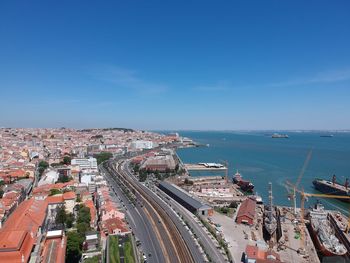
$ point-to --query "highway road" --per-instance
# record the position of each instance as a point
(173, 244)
(138, 222)
(207, 242)
(191, 244)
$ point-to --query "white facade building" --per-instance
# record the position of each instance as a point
(49, 178)
(138, 145)
(85, 163)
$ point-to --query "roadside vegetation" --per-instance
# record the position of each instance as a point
(113, 249)
(103, 156)
(144, 174)
(114, 255)
(128, 251)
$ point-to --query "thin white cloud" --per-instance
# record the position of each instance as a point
(320, 78)
(128, 79)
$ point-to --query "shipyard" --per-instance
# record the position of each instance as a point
(249, 227)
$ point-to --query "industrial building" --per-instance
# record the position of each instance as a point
(187, 201)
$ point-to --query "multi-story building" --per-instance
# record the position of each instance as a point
(85, 163)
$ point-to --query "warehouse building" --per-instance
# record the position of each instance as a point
(187, 201)
(246, 212)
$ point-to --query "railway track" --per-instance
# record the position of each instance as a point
(178, 250)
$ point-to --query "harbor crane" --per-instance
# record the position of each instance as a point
(304, 196)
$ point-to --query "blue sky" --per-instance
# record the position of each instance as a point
(175, 64)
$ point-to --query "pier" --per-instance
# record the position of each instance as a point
(205, 167)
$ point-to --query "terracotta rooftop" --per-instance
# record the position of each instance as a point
(247, 208)
(69, 195)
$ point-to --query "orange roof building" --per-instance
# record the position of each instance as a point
(113, 226)
(260, 255)
(246, 212)
(20, 231)
(54, 247)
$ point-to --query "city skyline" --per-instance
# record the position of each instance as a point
(176, 66)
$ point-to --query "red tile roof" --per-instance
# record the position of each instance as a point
(247, 209)
(54, 250)
(112, 225)
(17, 237)
(69, 195)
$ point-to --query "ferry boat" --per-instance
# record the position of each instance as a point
(323, 233)
(245, 186)
(278, 136)
(333, 188)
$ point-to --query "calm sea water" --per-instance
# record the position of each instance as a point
(262, 159)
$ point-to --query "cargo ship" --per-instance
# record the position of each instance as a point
(245, 186)
(327, 135)
(333, 188)
(323, 234)
(278, 136)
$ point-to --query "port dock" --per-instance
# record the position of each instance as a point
(205, 167)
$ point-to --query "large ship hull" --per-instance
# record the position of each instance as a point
(245, 186)
(329, 188)
(319, 246)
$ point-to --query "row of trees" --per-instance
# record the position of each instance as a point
(75, 239)
(64, 218)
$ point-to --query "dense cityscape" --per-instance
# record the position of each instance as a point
(174, 131)
(121, 195)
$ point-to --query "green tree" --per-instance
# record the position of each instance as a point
(54, 192)
(233, 204)
(61, 215)
(142, 175)
(69, 220)
(66, 160)
(82, 228)
(64, 178)
(43, 164)
(84, 215)
(136, 168)
(103, 156)
(1, 193)
(74, 245)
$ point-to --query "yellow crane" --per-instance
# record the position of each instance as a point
(303, 197)
(301, 174)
